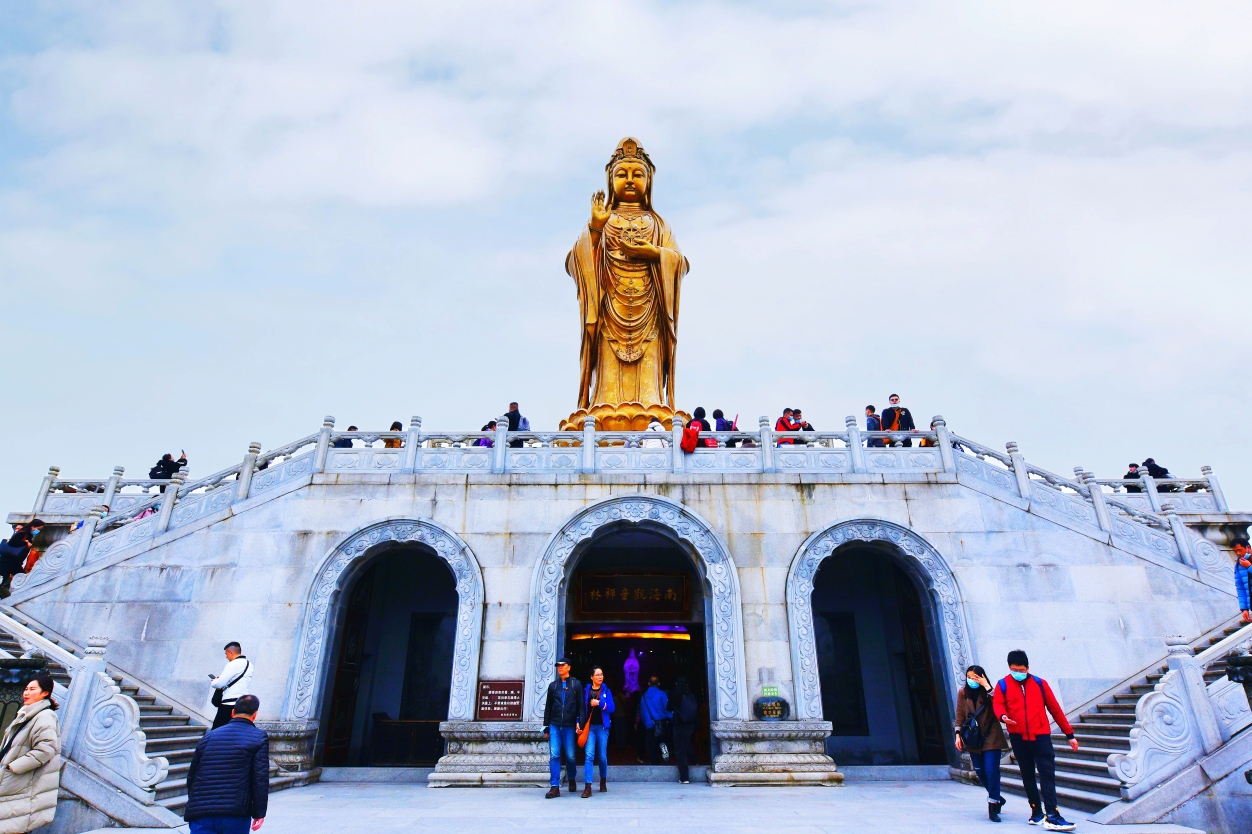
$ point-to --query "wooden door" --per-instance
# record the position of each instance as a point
(921, 675)
(348, 673)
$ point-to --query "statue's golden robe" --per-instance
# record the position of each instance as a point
(629, 311)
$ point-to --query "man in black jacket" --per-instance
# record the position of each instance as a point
(563, 716)
(896, 417)
(228, 781)
(13, 553)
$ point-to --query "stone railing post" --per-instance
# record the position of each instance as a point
(1019, 469)
(589, 444)
(115, 751)
(110, 487)
(500, 446)
(676, 439)
(1180, 534)
(1215, 489)
(246, 470)
(83, 542)
(1183, 660)
(45, 488)
(945, 443)
(1149, 487)
(767, 445)
(412, 443)
(854, 444)
(1097, 498)
(323, 444)
(168, 500)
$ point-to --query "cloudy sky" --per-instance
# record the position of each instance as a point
(221, 221)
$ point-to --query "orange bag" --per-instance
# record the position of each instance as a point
(582, 736)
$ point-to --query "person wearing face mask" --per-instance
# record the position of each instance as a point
(1243, 578)
(14, 552)
(982, 737)
(1022, 702)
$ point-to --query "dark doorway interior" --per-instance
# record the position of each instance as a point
(659, 630)
(872, 629)
(393, 676)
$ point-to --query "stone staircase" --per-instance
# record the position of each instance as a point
(170, 731)
(1083, 781)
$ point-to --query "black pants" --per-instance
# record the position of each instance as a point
(223, 715)
(654, 746)
(682, 748)
(1037, 755)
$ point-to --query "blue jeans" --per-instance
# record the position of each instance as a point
(558, 738)
(597, 752)
(987, 766)
(220, 825)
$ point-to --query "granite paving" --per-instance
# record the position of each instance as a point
(896, 807)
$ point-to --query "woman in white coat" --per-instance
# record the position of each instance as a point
(30, 761)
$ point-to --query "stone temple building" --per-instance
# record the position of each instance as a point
(404, 595)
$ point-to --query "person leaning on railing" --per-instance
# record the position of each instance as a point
(1243, 578)
(13, 552)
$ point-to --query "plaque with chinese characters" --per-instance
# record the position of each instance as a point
(500, 700)
(633, 596)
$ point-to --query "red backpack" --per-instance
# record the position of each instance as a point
(691, 436)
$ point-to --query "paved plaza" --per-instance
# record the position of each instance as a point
(896, 807)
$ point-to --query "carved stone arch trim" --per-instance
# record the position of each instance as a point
(715, 566)
(941, 587)
(305, 692)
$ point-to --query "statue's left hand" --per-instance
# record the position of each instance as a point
(642, 251)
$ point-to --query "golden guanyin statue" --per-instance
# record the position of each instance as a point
(628, 271)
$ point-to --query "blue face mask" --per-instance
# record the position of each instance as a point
(972, 684)
(1019, 676)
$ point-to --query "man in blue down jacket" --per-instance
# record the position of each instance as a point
(228, 781)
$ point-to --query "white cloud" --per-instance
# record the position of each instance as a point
(222, 221)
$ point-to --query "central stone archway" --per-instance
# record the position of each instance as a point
(713, 562)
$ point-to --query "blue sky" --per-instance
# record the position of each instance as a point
(221, 221)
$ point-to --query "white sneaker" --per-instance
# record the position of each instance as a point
(664, 752)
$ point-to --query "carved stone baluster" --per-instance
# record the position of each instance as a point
(1149, 488)
(767, 445)
(1019, 469)
(1180, 534)
(945, 444)
(246, 471)
(589, 444)
(854, 444)
(45, 488)
(323, 444)
(110, 486)
(676, 430)
(1097, 498)
(1215, 489)
(501, 449)
(168, 500)
(411, 443)
(83, 541)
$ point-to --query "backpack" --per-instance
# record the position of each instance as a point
(691, 435)
(971, 734)
(688, 710)
(155, 473)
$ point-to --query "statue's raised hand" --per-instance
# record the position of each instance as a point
(599, 211)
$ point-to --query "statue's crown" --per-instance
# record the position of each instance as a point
(629, 148)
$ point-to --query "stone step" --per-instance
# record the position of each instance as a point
(1103, 728)
(1123, 718)
(1082, 781)
(1068, 797)
(1096, 754)
(1116, 707)
(172, 788)
(147, 723)
(177, 730)
(1118, 744)
(151, 708)
(158, 745)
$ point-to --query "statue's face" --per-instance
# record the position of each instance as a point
(630, 182)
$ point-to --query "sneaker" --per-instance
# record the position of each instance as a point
(684, 782)
(553, 792)
(1036, 815)
(664, 752)
(1056, 822)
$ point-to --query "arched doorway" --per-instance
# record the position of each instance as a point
(635, 606)
(878, 642)
(335, 630)
(390, 684)
(723, 611)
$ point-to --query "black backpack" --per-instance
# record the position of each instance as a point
(688, 710)
(971, 734)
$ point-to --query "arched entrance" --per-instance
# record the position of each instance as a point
(389, 645)
(878, 642)
(674, 534)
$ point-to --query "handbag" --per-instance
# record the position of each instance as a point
(216, 700)
(582, 735)
(971, 733)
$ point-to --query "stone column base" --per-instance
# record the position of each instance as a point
(291, 748)
(502, 754)
(772, 753)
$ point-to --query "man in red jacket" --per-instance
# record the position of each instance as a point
(1022, 702)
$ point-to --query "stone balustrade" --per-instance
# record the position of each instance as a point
(1147, 523)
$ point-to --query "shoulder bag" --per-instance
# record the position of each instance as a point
(218, 693)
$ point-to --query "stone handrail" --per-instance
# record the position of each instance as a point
(1183, 718)
(99, 725)
(852, 453)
